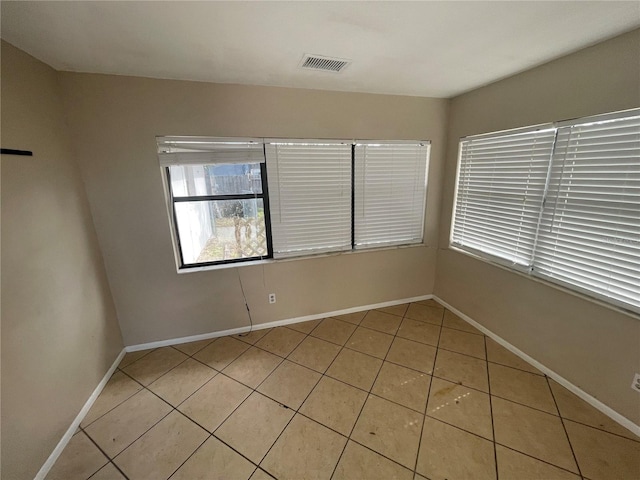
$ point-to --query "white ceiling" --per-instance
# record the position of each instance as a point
(435, 49)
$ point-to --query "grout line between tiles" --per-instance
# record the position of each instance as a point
(295, 412)
(311, 391)
(601, 429)
(192, 453)
(110, 460)
(493, 428)
(115, 406)
(335, 467)
(424, 418)
(209, 434)
(575, 459)
(323, 374)
(536, 458)
(131, 363)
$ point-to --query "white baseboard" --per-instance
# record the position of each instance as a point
(44, 470)
(594, 402)
(276, 323)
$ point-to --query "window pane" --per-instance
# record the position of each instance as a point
(590, 226)
(219, 179)
(390, 188)
(213, 231)
(309, 197)
(500, 190)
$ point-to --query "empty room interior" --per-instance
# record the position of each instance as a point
(320, 240)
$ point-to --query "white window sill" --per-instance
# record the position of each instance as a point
(250, 263)
(556, 286)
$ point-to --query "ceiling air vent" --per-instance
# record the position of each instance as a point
(326, 64)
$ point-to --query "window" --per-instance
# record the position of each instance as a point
(228, 198)
(561, 202)
(218, 199)
(390, 190)
(311, 196)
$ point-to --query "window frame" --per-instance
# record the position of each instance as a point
(530, 271)
(171, 202)
(264, 196)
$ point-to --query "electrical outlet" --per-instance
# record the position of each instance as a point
(272, 298)
(636, 383)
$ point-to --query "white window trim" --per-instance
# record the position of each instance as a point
(160, 140)
(526, 272)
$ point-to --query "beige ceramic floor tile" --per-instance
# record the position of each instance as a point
(153, 366)
(522, 387)
(399, 310)
(305, 327)
(430, 303)
(280, 341)
(496, 353)
(221, 352)
(417, 331)
(120, 427)
(390, 430)
(108, 472)
(412, 354)
(131, 357)
(117, 390)
(354, 318)
(254, 426)
(513, 465)
(369, 341)
(448, 452)
(315, 354)
(424, 313)
(253, 336)
(305, 450)
(574, 408)
(463, 369)
(334, 404)
(177, 384)
(80, 459)
(460, 406)
(360, 463)
(451, 320)
(253, 366)
(603, 456)
(215, 461)
(334, 331)
(381, 321)
(402, 385)
(260, 475)
(193, 347)
(462, 342)
(214, 402)
(290, 384)
(355, 368)
(160, 451)
(533, 432)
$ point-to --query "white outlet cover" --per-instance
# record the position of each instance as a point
(636, 383)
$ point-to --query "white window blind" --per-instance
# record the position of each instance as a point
(501, 183)
(390, 187)
(209, 150)
(590, 227)
(310, 196)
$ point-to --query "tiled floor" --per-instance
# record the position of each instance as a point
(406, 392)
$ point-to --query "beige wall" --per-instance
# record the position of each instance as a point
(114, 121)
(60, 334)
(594, 347)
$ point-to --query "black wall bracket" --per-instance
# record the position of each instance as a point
(10, 151)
